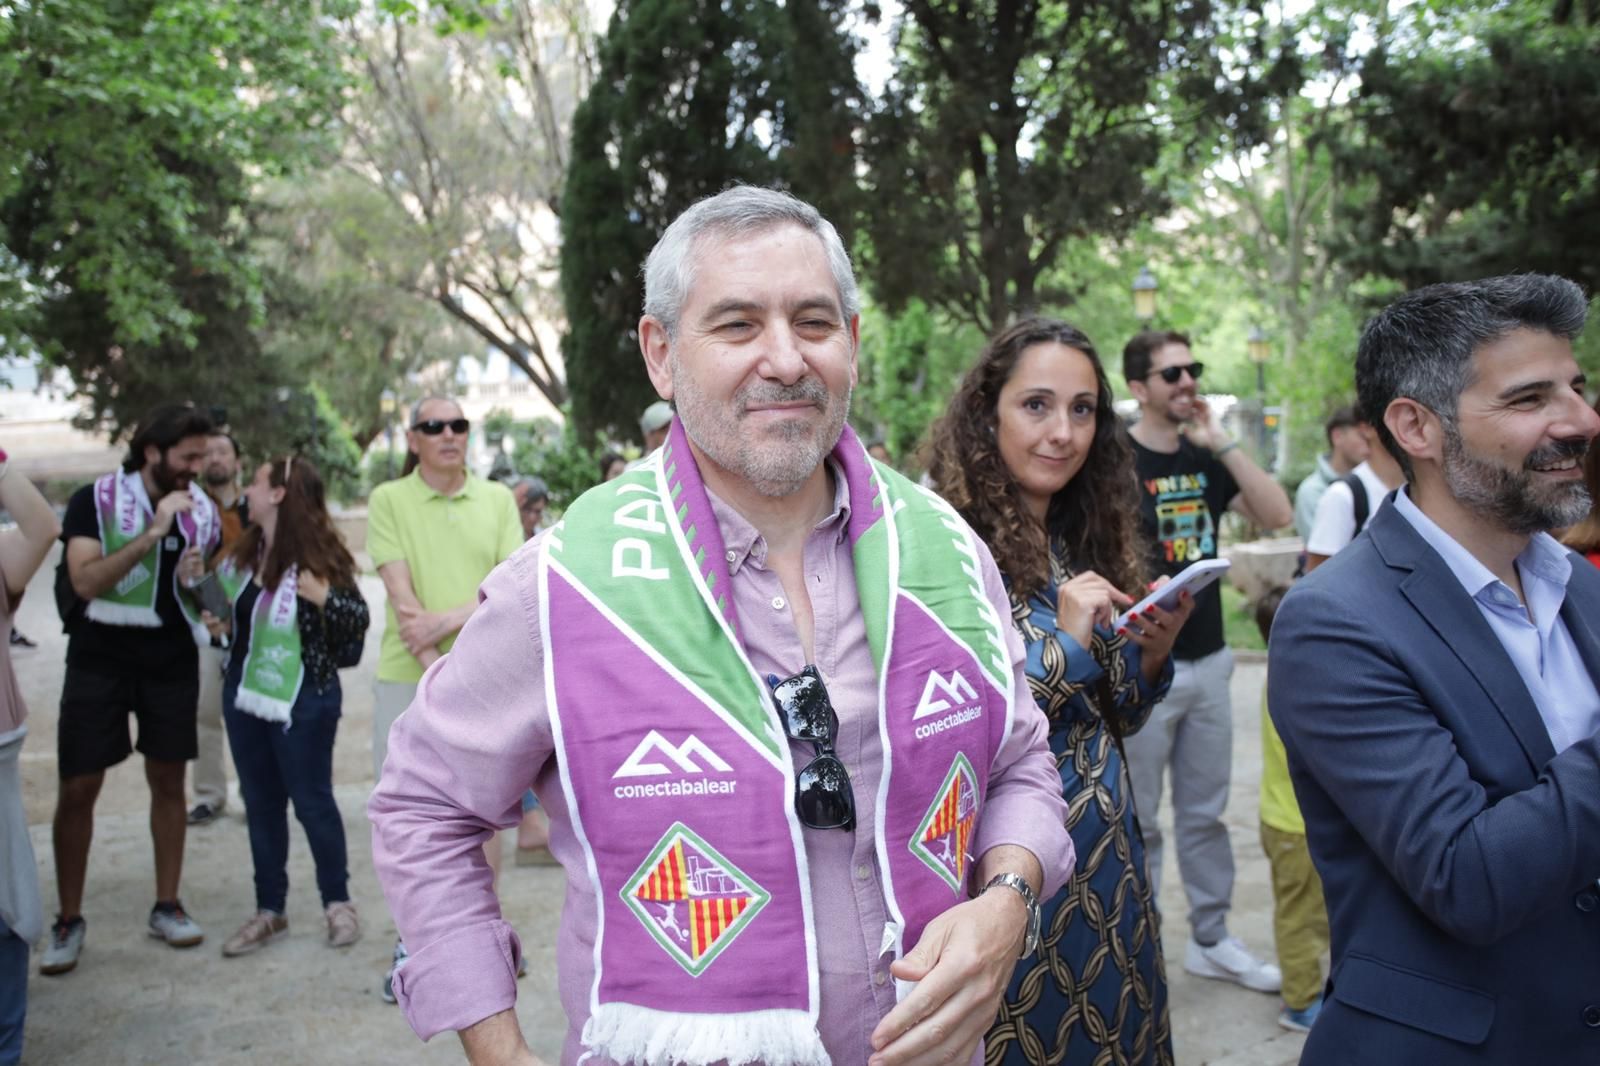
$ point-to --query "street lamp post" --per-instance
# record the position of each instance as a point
(386, 404)
(1144, 295)
(1260, 351)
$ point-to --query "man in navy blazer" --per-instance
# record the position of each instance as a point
(1435, 686)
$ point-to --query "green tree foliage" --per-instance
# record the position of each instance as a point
(690, 96)
(568, 465)
(1475, 146)
(910, 366)
(306, 423)
(1013, 127)
(132, 134)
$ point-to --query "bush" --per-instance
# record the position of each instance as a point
(553, 452)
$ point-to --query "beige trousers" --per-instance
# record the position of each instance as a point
(210, 772)
(389, 701)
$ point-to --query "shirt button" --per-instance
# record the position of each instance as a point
(1587, 901)
(863, 872)
(777, 603)
(878, 979)
(1591, 1017)
(732, 556)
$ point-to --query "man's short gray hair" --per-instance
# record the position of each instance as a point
(735, 212)
(432, 397)
(1420, 347)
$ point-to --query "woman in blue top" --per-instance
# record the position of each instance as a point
(1033, 456)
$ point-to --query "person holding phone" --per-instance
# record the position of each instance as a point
(1032, 455)
(297, 617)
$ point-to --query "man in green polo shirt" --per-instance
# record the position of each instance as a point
(434, 534)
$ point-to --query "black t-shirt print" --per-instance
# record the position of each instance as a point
(1182, 498)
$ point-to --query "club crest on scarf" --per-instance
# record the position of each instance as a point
(693, 901)
(941, 840)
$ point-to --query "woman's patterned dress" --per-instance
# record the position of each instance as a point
(1096, 992)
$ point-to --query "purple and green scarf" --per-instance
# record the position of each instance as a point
(122, 509)
(679, 777)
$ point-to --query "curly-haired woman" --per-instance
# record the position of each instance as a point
(297, 617)
(1584, 538)
(1032, 455)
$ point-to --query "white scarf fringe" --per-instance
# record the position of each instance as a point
(625, 1032)
(124, 614)
(260, 706)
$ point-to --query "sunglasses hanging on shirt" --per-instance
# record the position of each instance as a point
(823, 796)
(432, 427)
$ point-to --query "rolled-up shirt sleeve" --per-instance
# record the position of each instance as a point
(1024, 805)
(459, 760)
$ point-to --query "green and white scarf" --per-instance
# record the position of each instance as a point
(123, 510)
(274, 668)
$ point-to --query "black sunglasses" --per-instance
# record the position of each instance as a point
(823, 797)
(1171, 374)
(434, 426)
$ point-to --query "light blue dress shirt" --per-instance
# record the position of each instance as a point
(1533, 635)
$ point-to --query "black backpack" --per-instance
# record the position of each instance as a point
(68, 605)
(1358, 495)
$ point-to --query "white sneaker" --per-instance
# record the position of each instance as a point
(175, 927)
(1230, 960)
(66, 944)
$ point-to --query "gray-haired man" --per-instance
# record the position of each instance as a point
(750, 875)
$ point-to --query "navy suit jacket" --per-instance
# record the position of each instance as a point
(1458, 852)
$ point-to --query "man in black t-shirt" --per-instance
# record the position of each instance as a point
(1190, 474)
(131, 648)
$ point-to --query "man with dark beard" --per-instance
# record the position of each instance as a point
(1435, 686)
(131, 648)
(210, 775)
(770, 695)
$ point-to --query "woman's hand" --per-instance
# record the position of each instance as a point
(1085, 601)
(216, 626)
(1154, 631)
(312, 587)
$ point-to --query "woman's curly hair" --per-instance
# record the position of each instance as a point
(1093, 521)
(1585, 536)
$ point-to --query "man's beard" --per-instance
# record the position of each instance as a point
(1514, 499)
(217, 476)
(1175, 414)
(776, 466)
(168, 478)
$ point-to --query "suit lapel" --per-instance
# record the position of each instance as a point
(1433, 589)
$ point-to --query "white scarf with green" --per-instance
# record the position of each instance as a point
(123, 511)
(273, 667)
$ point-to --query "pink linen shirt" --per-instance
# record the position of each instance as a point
(479, 733)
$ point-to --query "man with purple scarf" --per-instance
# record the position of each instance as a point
(769, 693)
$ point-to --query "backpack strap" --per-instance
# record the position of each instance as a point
(1358, 495)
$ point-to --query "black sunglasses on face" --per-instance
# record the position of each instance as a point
(823, 797)
(1171, 374)
(434, 426)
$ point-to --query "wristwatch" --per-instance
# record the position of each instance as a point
(1017, 882)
